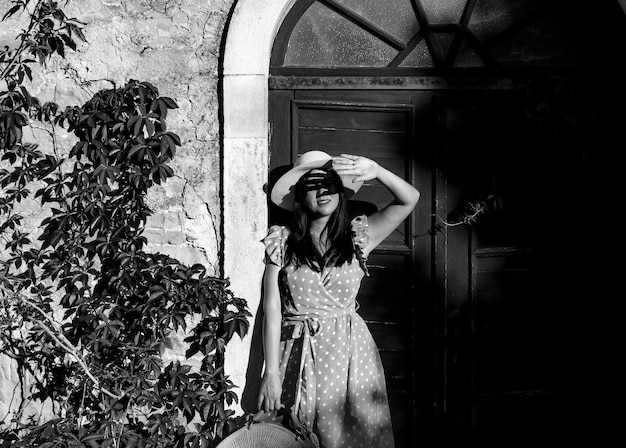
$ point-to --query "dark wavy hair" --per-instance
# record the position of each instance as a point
(300, 247)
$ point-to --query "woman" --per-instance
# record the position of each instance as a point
(320, 359)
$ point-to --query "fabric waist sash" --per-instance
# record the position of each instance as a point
(306, 326)
(310, 324)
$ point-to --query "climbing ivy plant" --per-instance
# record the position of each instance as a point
(85, 313)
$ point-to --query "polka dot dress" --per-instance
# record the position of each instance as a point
(332, 374)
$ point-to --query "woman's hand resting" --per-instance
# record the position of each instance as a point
(361, 168)
(270, 392)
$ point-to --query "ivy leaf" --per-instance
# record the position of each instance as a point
(170, 103)
(12, 11)
(236, 323)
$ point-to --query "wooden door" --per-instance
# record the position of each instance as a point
(383, 126)
(466, 296)
(504, 271)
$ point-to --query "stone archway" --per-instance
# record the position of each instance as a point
(249, 40)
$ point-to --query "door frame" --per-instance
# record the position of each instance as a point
(250, 31)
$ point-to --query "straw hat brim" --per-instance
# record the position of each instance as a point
(283, 192)
(265, 435)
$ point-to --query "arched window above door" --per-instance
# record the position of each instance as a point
(427, 34)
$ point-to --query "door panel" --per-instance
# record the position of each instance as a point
(501, 335)
(379, 127)
(351, 119)
(381, 133)
(348, 139)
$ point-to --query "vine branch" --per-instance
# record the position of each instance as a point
(67, 346)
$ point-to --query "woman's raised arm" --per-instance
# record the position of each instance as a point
(385, 221)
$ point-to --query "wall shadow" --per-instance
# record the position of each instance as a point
(255, 365)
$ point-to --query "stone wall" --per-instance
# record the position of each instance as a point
(174, 45)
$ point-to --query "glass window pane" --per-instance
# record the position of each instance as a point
(545, 42)
(443, 12)
(322, 38)
(395, 17)
(491, 17)
(467, 57)
(444, 40)
(419, 57)
(514, 32)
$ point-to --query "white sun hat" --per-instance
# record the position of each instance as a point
(276, 429)
(265, 435)
(283, 192)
